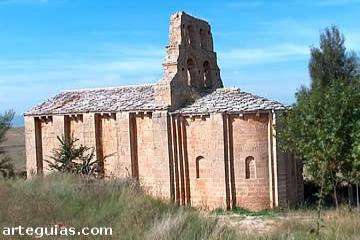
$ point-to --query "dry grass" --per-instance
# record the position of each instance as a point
(339, 224)
(342, 224)
(122, 205)
(173, 226)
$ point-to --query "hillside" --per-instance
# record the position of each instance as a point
(14, 145)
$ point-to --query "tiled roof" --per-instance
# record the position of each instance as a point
(230, 100)
(140, 97)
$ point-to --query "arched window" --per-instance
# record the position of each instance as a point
(191, 36)
(250, 168)
(198, 164)
(191, 71)
(207, 81)
(203, 39)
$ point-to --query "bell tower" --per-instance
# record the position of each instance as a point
(190, 66)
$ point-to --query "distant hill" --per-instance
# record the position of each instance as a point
(14, 145)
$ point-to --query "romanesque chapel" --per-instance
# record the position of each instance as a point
(186, 138)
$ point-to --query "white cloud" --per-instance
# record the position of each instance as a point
(13, 75)
(117, 65)
(37, 79)
(131, 51)
(283, 52)
(278, 84)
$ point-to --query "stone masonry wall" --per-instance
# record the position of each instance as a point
(192, 160)
(76, 129)
(50, 132)
(250, 139)
(205, 154)
(161, 168)
(108, 135)
(152, 153)
(123, 168)
(30, 144)
(48, 140)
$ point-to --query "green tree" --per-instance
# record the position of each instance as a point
(6, 166)
(354, 172)
(5, 123)
(70, 158)
(331, 61)
(319, 128)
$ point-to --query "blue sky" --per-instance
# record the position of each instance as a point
(262, 46)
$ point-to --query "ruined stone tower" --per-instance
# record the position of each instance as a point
(190, 66)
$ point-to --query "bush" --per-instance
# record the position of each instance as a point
(70, 158)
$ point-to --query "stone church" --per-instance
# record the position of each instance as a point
(186, 138)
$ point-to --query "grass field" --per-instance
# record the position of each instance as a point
(118, 204)
(122, 205)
